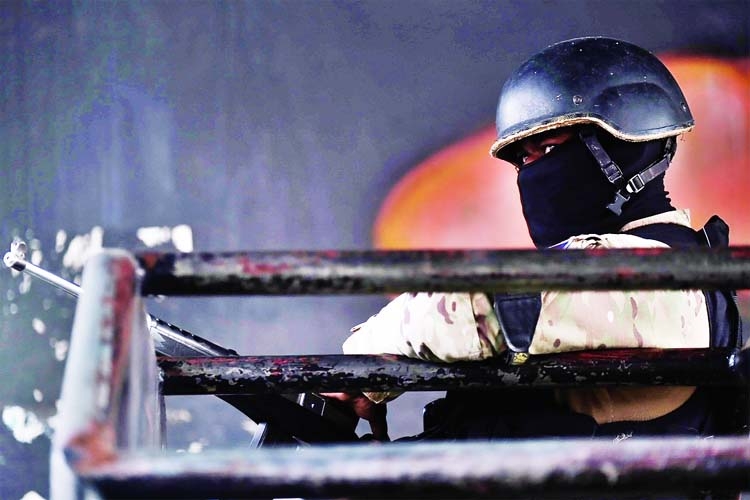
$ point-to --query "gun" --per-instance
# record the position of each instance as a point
(306, 417)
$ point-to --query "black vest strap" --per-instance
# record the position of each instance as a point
(518, 315)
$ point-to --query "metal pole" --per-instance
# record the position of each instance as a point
(372, 271)
(335, 373)
(555, 468)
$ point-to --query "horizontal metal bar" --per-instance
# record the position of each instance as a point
(548, 468)
(333, 373)
(350, 272)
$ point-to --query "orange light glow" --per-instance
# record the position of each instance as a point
(711, 170)
(460, 197)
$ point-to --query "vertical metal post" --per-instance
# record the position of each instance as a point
(110, 395)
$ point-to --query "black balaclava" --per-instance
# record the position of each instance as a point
(565, 193)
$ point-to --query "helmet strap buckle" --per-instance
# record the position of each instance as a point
(635, 184)
(612, 171)
(619, 201)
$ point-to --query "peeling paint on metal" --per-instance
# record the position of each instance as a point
(349, 272)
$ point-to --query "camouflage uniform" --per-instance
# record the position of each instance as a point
(451, 327)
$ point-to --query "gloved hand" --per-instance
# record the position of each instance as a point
(363, 407)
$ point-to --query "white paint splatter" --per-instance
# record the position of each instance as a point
(54, 419)
(61, 349)
(97, 237)
(81, 247)
(178, 416)
(32, 495)
(182, 238)
(38, 326)
(195, 447)
(36, 257)
(24, 424)
(152, 236)
(25, 285)
(60, 239)
(13, 308)
(38, 396)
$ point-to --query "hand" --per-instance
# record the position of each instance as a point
(374, 413)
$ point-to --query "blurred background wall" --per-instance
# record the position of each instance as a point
(250, 125)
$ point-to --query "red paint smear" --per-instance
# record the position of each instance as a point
(254, 268)
(624, 272)
(149, 260)
(94, 446)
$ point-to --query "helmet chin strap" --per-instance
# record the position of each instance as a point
(613, 173)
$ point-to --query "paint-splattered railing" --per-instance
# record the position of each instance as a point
(360, 272)
(110, 402)
(644, 468)
(110, 426)
(719, 367)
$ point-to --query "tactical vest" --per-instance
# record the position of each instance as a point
(518, 314)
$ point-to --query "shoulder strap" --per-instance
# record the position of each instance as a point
(518, 314)
(715, 232)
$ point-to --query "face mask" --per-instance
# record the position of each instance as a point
(565, 193)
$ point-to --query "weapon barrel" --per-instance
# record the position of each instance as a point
(14, 261)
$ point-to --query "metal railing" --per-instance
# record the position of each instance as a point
(111, 425)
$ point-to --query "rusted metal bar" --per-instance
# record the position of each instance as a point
(110, 399)
(350, 272)
(520, 469)
(333, 373)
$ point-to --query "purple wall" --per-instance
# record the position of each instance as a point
(260, 125)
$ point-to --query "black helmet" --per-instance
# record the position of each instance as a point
(609, 83)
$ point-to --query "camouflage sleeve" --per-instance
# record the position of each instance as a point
(439, 327)
(572, 321)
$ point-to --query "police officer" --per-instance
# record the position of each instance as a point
(590, 125)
